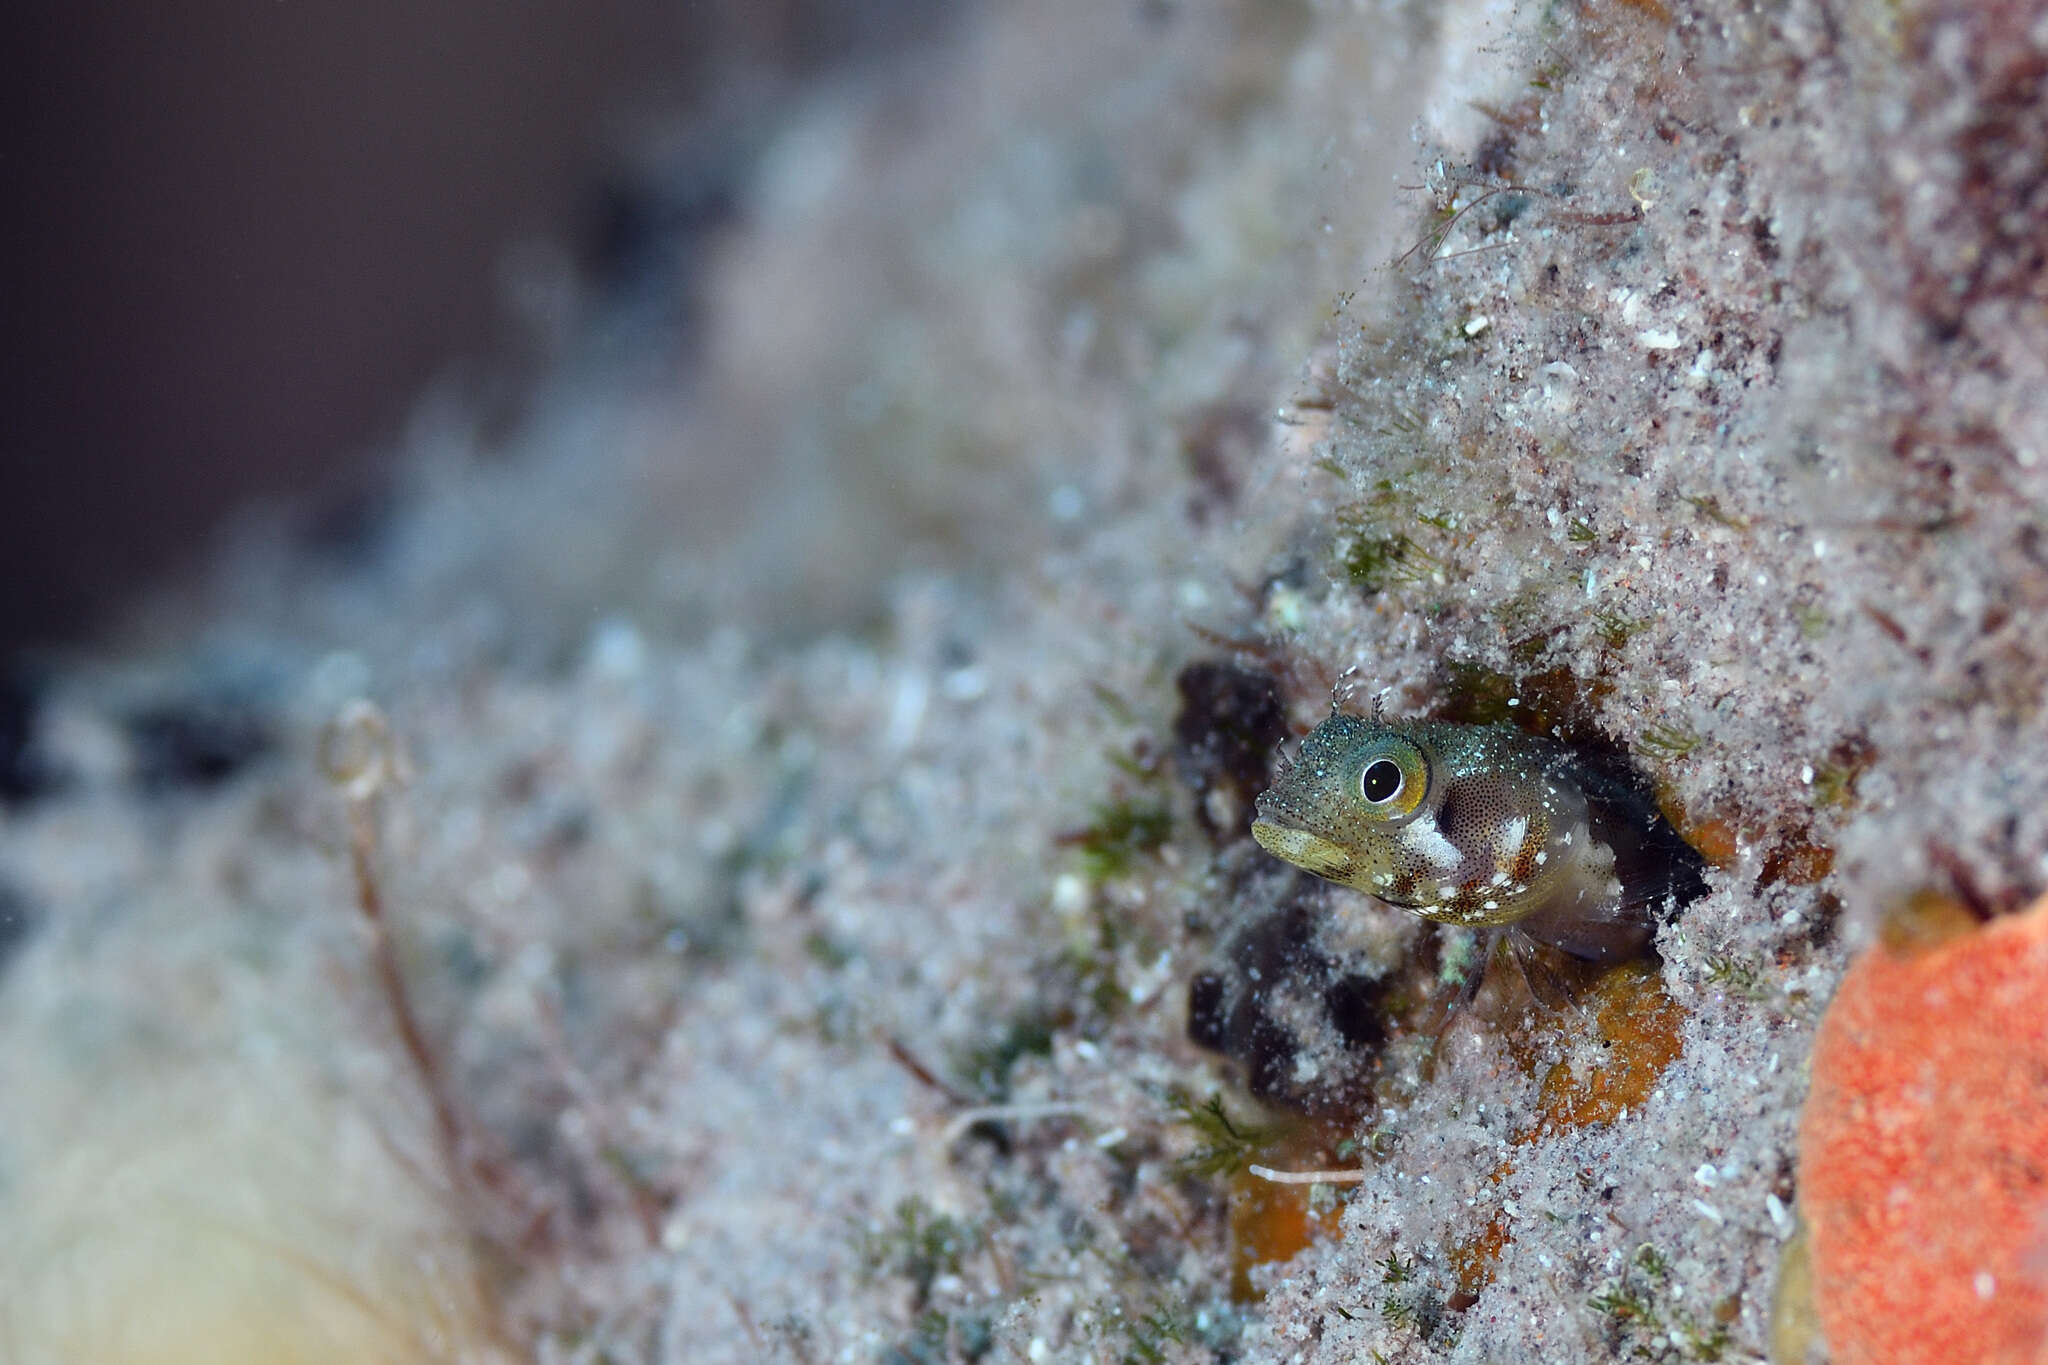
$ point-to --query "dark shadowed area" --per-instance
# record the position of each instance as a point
(242, 239)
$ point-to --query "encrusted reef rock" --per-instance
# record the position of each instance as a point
(819, 860)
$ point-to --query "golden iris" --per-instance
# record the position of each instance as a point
(1393, 778)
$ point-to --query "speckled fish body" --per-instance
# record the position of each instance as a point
(1479, 825)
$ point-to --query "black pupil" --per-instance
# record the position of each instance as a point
(1382, 780)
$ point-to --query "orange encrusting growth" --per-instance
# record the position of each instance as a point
(1270, 1222)
(1797, 858)
(1718, 840)
(1475, 1260)
(1924, 1150)
(1643, 1027)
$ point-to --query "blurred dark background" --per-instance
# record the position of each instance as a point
(242, 238)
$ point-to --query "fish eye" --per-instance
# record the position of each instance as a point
(1393, 778)
(1381, 781)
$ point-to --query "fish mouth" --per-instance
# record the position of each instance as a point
(1278, 817)
(1287, 839)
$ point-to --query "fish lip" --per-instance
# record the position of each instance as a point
(1269, 810)
(1293, 840)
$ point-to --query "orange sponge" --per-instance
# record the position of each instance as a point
(1924, 1151)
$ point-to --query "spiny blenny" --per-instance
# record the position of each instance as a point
(1482, 825)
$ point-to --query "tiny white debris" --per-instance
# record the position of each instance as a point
(964, 684)
(1705, 1174)
(1806, 773)
(1560, 389)
(1069, 894)
(1491, 905)
(1542, 856)
(1286, 608)
(1592, 581)
(902, 1125)
(617, 652)
(1820, 549)
(1086, 1050)
(1709, 1212)
(1478, 325)
(1153, 979)
(906, 713)
(1111, 1138)
(1985, 1285)
(1659, 339)
(1551, 515)
(1781, 1217)
(1514, 701)
(1066, 503)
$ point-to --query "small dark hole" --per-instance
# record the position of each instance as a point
(196, 744)
(1208, 1012)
